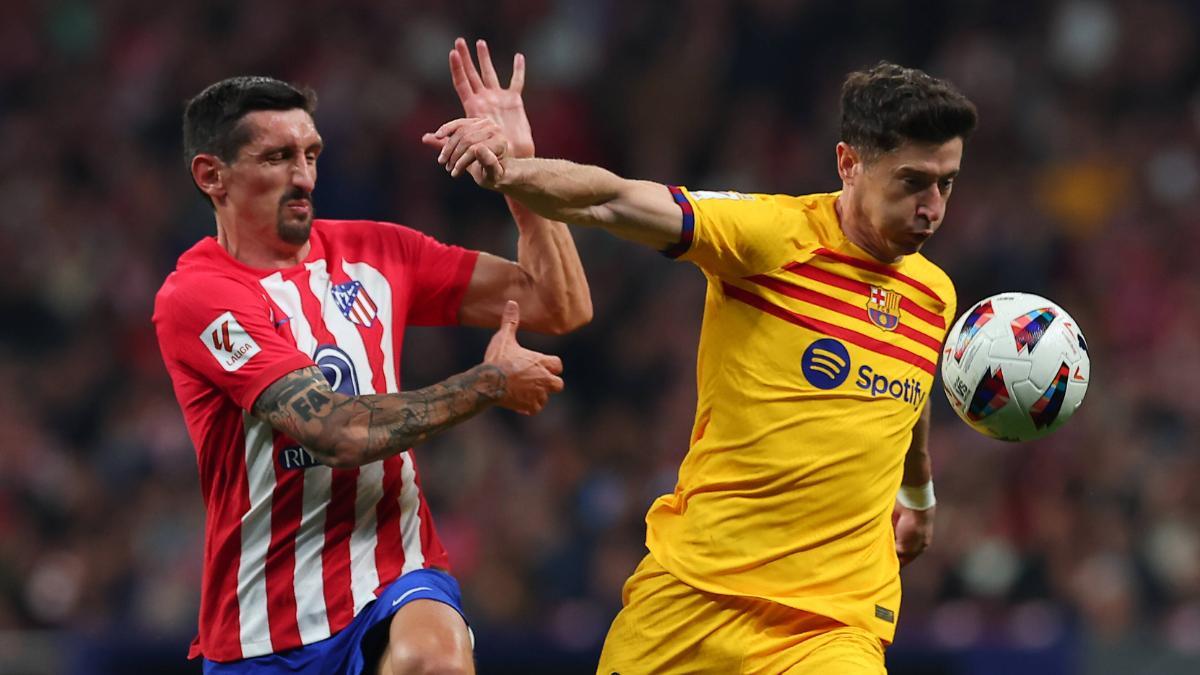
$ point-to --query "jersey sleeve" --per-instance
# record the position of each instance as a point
(731, 234)
(222, 330)
(438, 276)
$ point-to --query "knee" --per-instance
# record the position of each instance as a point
(425, 657)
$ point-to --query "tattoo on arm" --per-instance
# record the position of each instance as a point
(346, 430)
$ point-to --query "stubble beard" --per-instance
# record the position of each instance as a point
(292, 231)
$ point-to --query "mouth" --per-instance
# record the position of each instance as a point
(299, 207)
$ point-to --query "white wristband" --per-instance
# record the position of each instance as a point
(918, 498)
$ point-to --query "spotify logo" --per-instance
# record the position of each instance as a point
(825, 364)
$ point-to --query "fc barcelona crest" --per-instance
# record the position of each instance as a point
(883, 308)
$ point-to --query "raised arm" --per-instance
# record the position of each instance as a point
(547, 277)
(638, 210)
(346, 431)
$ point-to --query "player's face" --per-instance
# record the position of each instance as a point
(904, 193)
(271, 181)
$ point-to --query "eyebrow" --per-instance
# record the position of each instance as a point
(914, 171)
(319, 145)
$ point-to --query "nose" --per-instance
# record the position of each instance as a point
(932, 205)
(304, 174)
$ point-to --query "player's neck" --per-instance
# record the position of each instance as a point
(856, 228)
(260, 250)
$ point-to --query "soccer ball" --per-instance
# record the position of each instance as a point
(1015, 366)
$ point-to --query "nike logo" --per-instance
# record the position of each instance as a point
(282, 321)
(408, 593)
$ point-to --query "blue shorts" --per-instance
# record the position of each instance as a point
(346, 651)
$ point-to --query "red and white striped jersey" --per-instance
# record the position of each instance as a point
(294, 549)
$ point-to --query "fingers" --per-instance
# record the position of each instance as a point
(534, 401)
(510, 318)
(907, 554)
(462, 137)
(464, 53)
(469, 80)
(911, 543)
(458, 75)
(493, 168)
(469, 155)
(530, 390)
(536, 405)
(466, 136)
(485, 65)
(488, 160)
(552, 363)
(500, 347)
(517, 83)
(448, 129)
(456, 138)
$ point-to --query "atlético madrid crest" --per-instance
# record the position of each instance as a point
(883, 307)
(352, 299)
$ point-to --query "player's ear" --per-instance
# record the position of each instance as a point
(848, 162)
(206, 171)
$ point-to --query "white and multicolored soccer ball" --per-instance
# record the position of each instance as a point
(1015, 366)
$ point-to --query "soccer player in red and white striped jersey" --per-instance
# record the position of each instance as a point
(283, 336)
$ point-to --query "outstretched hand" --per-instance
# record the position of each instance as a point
(530, 377)
(471, 144)
(481, 95)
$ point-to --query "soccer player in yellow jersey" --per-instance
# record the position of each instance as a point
(822, 328)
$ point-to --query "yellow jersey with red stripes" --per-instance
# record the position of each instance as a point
(814, 364)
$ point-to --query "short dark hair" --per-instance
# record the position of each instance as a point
(886, 105)
(211, 119)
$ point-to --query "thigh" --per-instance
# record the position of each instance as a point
(427, 633)
(390, 629)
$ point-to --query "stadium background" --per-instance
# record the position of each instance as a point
(1076, 554)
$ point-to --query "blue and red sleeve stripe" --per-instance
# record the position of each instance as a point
(689, 224)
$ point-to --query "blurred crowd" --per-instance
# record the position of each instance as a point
(1082, 184)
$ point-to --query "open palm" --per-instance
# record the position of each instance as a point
(482, 96)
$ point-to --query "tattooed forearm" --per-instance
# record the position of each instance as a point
(345, 430)
(423, 413)
(308, 405)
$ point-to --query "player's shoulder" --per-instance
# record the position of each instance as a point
(928, 273)
(349, 230)
(815, 202)
(816, 210)
(204, 274)
(194, 266)
(370, 239)
(810, 212)
(814, 214)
